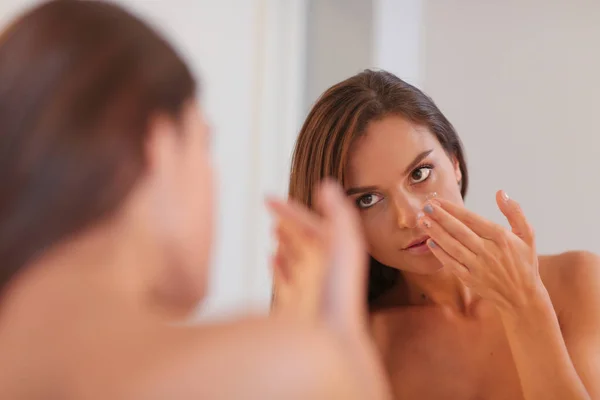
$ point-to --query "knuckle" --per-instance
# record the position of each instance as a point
(529, 230)
(500, 236)
(517, 208)
(469, 220)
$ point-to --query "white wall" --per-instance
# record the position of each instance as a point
(339, 43)
(397, 42)
(222, 47)
(249, 57)
(520, 81)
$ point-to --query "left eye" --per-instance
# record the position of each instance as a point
(420, 174)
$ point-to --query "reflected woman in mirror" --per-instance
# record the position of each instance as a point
(106, 216)
(460, 307)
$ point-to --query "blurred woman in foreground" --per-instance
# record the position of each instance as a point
(106, 227)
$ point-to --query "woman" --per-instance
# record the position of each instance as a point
(461, 308)
(105, 232)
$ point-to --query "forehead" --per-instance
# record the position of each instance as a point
(388, 146)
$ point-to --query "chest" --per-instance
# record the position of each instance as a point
(435, 358)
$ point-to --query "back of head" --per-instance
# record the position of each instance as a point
(79, 83)
(340, 116)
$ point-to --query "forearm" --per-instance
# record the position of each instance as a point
(543, 363)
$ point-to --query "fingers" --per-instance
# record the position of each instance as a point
(289, 249)
(296, 214)
(341, 215)
(346, 282)
(443, 226)
(281, 273)
(343, 221)
(449, 262)
(516, 217)
(450, 242)
(298, 233)
(479, 225)
(298, 272)
(298, 253)
(326, 254)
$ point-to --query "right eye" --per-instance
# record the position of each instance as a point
(368, 200)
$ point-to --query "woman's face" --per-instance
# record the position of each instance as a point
(392, 169)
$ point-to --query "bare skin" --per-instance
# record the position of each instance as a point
(477, 314)
(93, 317)
(476, 334)
(80, 349)
(431, 351)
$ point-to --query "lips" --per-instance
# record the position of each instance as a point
(417, 242)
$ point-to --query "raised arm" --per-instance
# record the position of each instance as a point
(503, 267)
(326, 261)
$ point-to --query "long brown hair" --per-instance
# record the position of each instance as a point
(79, 82)
(340, 116)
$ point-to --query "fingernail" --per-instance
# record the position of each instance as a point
(431, 244)
(428, 208)
(505, 196)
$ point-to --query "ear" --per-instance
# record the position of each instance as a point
(457, 171)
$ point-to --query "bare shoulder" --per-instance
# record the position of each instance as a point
(569, 271)
(572, 279)
(254, 358)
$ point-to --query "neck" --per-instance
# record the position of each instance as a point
(441, 288)
(108, 259)
(111, 266)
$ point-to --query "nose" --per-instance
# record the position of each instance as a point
(407, 207)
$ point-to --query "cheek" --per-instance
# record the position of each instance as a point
(197, 217)
(449, 189)
(200, 203)
(193, 194)
(377, 234)
(444, 183)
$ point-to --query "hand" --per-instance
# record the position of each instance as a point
(299, 263)
(500, 265)
(320, 268)
(321, 272)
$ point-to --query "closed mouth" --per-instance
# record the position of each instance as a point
(419, 242)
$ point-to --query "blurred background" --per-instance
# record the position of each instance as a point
(519, 79)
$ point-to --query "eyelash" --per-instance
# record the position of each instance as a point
(430, 167)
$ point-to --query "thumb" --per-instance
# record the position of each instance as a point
(516, 218)
(345, 284)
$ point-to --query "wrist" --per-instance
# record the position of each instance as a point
(534, 308)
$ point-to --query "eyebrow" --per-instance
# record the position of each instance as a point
(409, 168)
(417, 160)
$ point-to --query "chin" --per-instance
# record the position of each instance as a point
(422, 267)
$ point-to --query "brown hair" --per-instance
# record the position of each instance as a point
(340, 116)
(79, 82)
